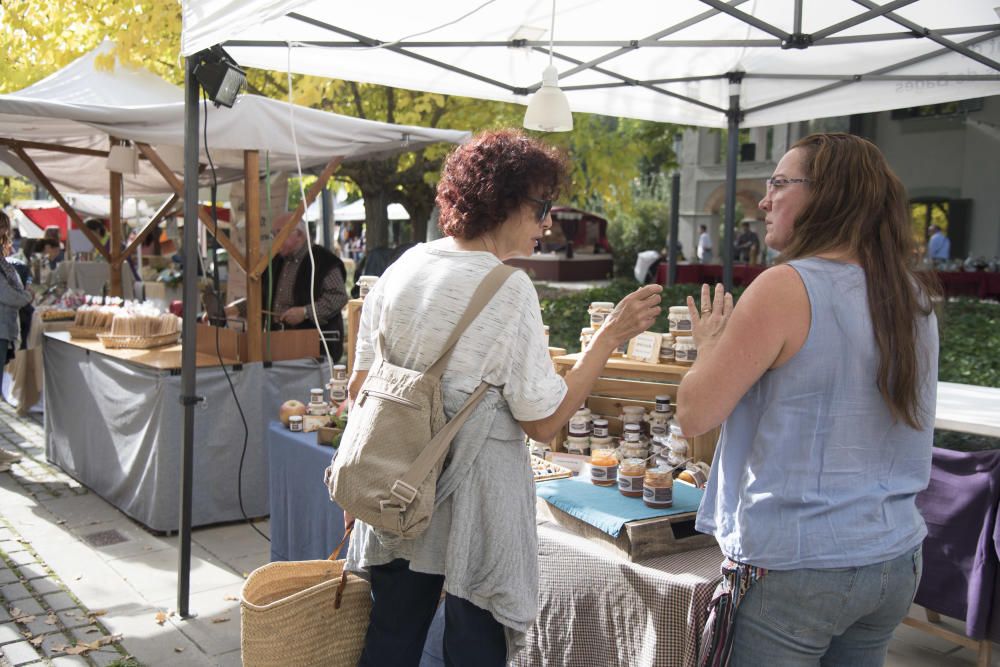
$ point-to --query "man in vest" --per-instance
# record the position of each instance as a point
(290, 279)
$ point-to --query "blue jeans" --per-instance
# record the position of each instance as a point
(830, 617)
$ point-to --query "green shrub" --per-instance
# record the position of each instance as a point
(970, 342)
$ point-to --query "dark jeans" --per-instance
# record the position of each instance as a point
(403, 605)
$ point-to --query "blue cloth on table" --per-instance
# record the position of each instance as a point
(605, 508)
(305, 523)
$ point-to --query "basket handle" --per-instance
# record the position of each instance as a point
(343, 573)
(340, 547)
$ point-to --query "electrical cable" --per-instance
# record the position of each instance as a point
(302, 193)
(218, 345)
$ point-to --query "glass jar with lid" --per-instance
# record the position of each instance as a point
(577, 445)
(604, 467)
(601, 435)
(685, 351)
(678, 446)
(365, 285)
(316, 395)
(633, 414)
(679, 319)
(599, 311)
(658, 488)
(586, 335)
(667, 349)
(631, 473)
(580, 424)
(339, 373)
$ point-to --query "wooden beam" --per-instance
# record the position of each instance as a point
(154, 159)
(251, 195)
(300, 210)
(15, 143)
(115, 263)
(47, 184)
(161, 213)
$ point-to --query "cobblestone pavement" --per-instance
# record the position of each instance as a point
(41, 621)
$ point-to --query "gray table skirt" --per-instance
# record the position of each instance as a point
(116, 427)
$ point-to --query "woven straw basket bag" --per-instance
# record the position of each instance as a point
(304, 614)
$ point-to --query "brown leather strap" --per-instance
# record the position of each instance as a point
(340, 547)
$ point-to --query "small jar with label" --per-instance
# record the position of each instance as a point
(667, 349)
(338, 391)
(339, 373)
(631, 432)
(318, 409)
(599, 311)
(365, 285)
(658, 488)
(678, 442)
(663, 404)
(633, 450)
(633, 414)
(658, 444)
(631, 473)
(601, 435)
(586, 335)
(696, 474)
(604, 467)
(316, 396)
(295, 423)
(580, 425)
(577, 445)
(680, 320)
(659, 424)
(685, 351)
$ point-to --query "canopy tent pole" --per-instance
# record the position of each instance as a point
(327, 210)
(188, 333)
(735, 78)
(115, 249)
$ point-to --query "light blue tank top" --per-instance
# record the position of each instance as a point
(811, 470)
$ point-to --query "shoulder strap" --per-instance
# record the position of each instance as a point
(487, 289)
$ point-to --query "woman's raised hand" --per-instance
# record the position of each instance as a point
(634, 314)
(708, 323)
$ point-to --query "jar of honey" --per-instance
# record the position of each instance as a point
(604, 467)
(685, 350)
(339, 373)
(577, 445)
(658, 488)
(586, 335)
(599, 311)
(295, 423)
(631, 473)
(679, 319)
(580, 425)
(667, 349)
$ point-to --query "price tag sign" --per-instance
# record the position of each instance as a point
(645, 347)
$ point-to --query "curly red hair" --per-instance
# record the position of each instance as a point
(488, 178)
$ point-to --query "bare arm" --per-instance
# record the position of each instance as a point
(633, 315)
(736, 346)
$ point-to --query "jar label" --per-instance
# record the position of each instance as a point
(631, 436)
(600, 431)
(658, 495)
(658, 429)
(596, 320)
(682, 325)
(604, 473)
(630, 482)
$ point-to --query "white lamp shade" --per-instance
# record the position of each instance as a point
(123, 159)
(548, 109)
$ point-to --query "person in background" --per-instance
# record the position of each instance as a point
(495, 194)
(824, 377)
(647, 263)
(54, 254)
(938, 246)
(747, 244)
(293, 288)
(704, 245)
(13, 296)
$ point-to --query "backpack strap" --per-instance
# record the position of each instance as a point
(487, 289)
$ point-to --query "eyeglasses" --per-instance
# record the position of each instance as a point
(545, 207)
(775, 183)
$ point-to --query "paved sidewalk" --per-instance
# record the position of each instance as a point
(77, 576)
(82, 584)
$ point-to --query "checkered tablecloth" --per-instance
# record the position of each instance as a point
(598, 609)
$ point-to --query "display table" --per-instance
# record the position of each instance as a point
(968, 408)
(305, 523)
(114, 421)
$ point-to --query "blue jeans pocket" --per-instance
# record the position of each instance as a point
(804, 602)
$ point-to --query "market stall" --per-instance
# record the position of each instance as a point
(113, 422)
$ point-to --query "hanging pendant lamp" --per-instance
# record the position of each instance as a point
(548, 109)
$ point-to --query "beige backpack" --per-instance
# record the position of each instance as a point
(385, 472)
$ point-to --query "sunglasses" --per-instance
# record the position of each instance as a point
(545, 207)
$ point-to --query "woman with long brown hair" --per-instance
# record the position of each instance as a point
(824, 378)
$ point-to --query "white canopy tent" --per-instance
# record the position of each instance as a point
(81, 106)
(713, 63)
(353, 212)
(663, 61)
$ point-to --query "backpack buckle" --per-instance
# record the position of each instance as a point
(403, 491)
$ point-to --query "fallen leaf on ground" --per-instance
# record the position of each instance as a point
(79, 649)
(161, 617)
(178, 649)
(27, 634)
(51, 619)
(78, 577)
(61, 521)
(97, 612)
(231, 597)
(37, 641)
(91, 631)
(220, 619)
(20, 617)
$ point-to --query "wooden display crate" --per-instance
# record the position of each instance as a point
(282, 346)
(626, 382)
(638, 540)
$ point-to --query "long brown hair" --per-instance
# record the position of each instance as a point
(859, 205)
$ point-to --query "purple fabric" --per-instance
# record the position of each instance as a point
(960, 553)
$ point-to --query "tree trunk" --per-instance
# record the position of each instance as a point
(376, 218)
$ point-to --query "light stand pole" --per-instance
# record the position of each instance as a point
(735, 79)
(188, 333)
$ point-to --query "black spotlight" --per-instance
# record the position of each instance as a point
(220, 76)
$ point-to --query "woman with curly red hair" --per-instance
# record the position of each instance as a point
(495, 196)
